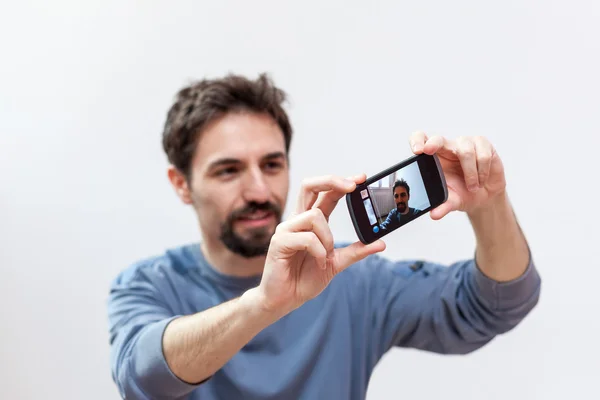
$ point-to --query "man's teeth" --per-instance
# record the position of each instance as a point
(259, 215)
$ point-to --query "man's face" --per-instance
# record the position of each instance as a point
(239, 181)
(401, 199)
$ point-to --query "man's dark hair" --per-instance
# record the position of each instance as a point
(203, 101)
(401, 182)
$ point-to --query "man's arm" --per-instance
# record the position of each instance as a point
(388, 221)
(157, 354)
(197, 346)
(459, 308)
(447, 309)
(502, 252)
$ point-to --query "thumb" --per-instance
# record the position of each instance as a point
(348, 255)
(452, 204)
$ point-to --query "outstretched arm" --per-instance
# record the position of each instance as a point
(459, 308)
(476, 185)
(502, 252)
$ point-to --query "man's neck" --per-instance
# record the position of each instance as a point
(228, 263)
(406, 211)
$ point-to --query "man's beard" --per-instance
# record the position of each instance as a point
(258, 240)
(401, 207)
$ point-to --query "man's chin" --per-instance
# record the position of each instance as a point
(256, 233)
(247, 240)
(253, 242)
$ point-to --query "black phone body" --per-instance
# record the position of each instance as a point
(396, 196)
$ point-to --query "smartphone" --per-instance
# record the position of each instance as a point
(396, 196)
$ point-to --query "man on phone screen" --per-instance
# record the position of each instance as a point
(265, 308)
(402, 213)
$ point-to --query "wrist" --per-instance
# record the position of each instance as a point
(256, 304)
(497, 204)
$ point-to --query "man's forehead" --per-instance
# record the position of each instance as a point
(243, 137)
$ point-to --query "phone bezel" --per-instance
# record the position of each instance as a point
(435, 185)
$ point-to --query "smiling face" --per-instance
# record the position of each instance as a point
(239, 181)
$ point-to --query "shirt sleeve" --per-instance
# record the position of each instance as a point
(138, 315)
(385, 224)
(451, 309)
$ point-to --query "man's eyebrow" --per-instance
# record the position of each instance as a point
(223, 161)
(275, 154)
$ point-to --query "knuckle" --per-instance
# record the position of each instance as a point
(485, 158)
(472, 178)
(278, 229)
(276, 239)
(462, 151)
(317, 214)
(314, 240)
(464, 141)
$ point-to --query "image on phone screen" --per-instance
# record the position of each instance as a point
(397, 198)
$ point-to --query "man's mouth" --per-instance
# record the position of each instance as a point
(256, 215)
(256, 219)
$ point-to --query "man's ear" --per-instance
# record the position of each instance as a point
(180, 184)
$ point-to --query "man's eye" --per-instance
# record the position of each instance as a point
(273, 165)
(227, 171)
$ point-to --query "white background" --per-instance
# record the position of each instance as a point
(84, 88)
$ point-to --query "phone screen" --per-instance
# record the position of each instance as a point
(397, 196)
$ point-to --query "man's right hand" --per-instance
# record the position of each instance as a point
(301, 260)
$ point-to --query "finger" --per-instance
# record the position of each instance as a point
(440, 145)
(484, 151)
(452, 204)
(289, 243)
(417, 141)
(465, 150)
(327, 201)
(346, 256)
(312, 187)
(310, 221)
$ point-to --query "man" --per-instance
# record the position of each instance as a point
(402, 213)
(269, 309)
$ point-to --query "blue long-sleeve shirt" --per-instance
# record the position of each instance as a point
(395, 219)
(326, 349)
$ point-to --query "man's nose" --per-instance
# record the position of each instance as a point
(256, 188)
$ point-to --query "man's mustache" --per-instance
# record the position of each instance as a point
(253, 207)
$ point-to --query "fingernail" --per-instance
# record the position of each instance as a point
(473, 188)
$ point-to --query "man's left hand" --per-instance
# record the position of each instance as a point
(473, 170)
